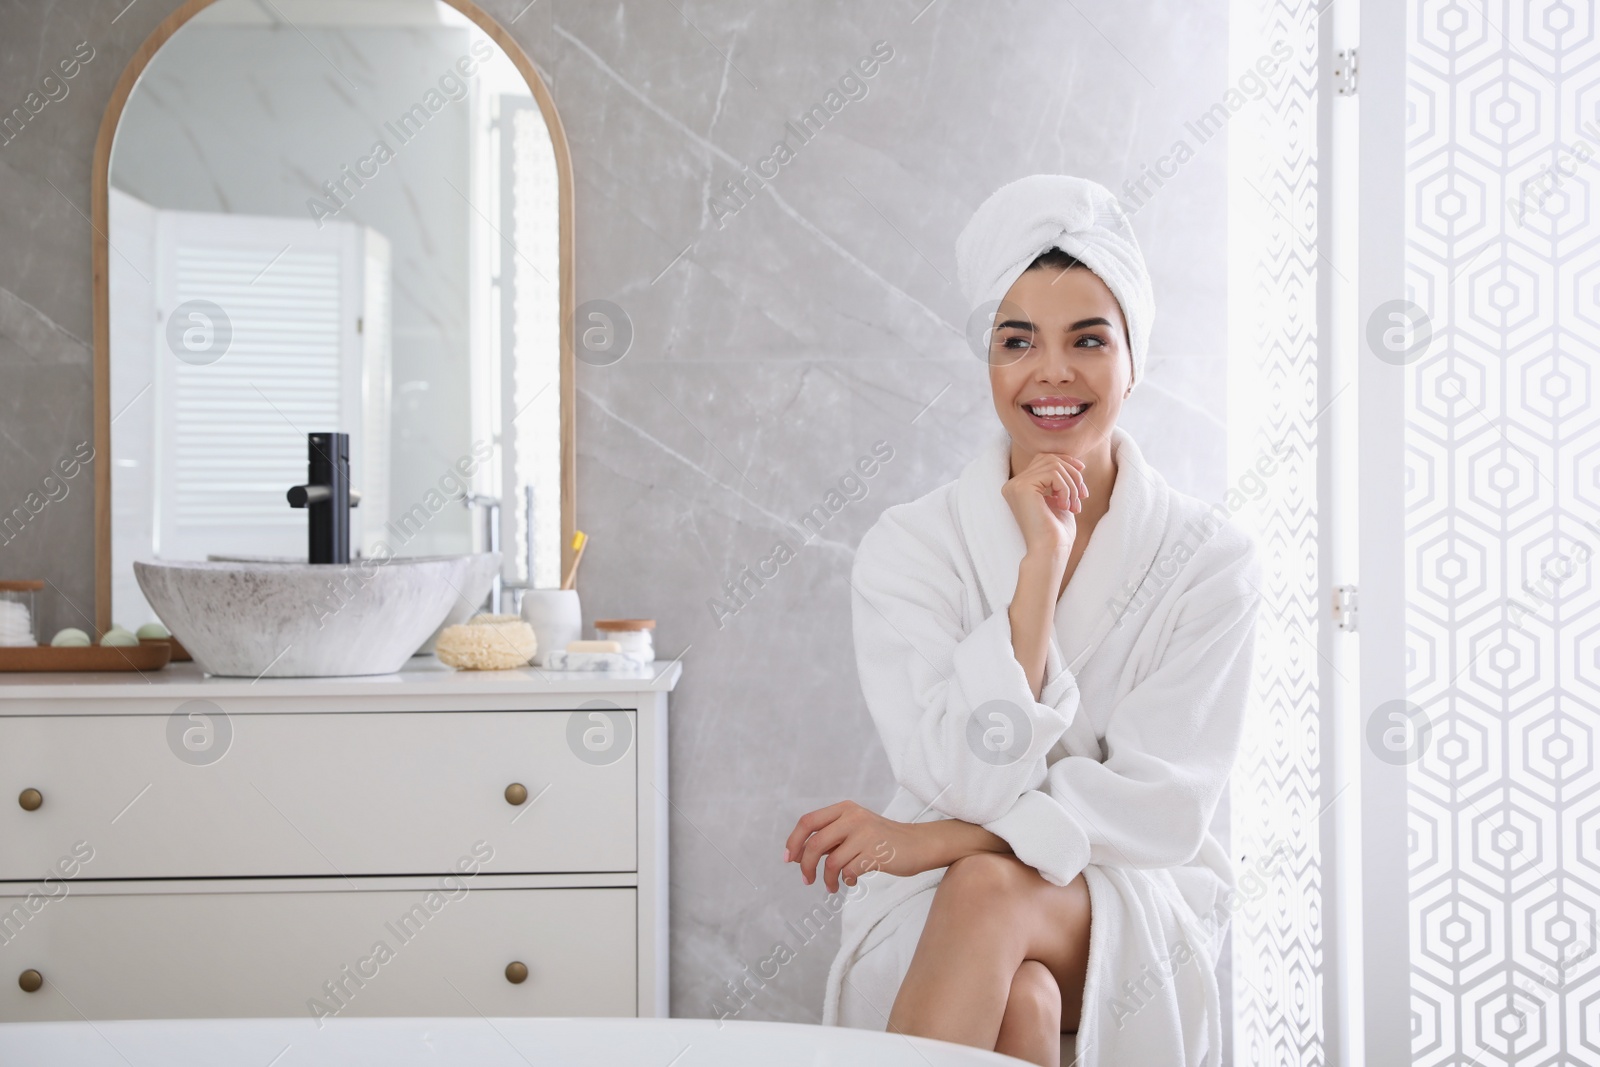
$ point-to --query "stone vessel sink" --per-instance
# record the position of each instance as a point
(301, 620)
(474, 588)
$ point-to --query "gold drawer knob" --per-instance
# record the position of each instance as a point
(32, 981)
(30, 799)
(516, 794)
(516, 972)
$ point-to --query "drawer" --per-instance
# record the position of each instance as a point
(318, 794)
(248, 954)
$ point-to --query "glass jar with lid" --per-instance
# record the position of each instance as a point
(632, 634)
(18, 615)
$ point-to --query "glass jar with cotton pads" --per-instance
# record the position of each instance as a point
(18, 622)
(634, 635)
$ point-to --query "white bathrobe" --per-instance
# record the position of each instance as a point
(1130, 743)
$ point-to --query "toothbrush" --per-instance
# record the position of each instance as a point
(579, 541)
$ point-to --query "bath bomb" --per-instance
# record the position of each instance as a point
(118, 636)
(487, 645)
(152, 631)
(71, 637)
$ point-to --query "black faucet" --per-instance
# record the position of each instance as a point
(327, 496)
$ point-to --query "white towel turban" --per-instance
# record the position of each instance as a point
(1078, 216)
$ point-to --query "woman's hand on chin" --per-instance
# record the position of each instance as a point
(1045, 497)
(857, 840)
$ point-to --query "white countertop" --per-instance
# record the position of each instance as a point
(476, 1041)
(423, 676)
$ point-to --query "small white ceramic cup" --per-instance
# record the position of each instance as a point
(555, 616)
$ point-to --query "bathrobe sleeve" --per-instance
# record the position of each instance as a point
(923, 677)
(1171, 742)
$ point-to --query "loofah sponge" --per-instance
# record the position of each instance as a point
(487, 643)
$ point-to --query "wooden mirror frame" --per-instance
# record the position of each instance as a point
(100, 208)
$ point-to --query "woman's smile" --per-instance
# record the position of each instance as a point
(1056, 413)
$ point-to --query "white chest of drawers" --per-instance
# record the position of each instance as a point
(422, 843)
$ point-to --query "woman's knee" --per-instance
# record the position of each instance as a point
(986, 876)
(983, 895)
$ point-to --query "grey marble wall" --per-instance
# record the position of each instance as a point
(774, 345)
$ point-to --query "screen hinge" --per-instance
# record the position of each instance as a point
(1344, 607)
(1345, 71)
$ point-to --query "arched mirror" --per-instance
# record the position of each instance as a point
(331, 215)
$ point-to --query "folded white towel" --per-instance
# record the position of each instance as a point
(16, 625)
(1078, 216)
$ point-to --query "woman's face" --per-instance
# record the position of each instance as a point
(1059, 343)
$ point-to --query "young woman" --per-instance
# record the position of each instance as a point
(1056, 649)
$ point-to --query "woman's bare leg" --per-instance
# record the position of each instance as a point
(1031, 1027)
(989, 914)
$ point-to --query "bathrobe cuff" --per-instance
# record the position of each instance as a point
(1042, 835)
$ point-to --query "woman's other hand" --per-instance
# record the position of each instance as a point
(1045, 496)
(857, 840)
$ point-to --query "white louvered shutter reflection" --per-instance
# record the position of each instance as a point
(279, 299)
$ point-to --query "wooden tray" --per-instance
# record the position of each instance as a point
(179, 653)
(145, 656)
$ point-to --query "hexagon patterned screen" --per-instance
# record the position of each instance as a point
(1502, 522)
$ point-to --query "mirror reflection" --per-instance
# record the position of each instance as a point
(334, 217)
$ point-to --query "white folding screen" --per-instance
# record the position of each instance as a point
(1277, 344)
(1502, 519)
